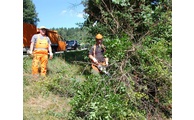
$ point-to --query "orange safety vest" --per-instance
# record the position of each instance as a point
(41, 44)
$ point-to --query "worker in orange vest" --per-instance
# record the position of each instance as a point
(40, 47)
(96, 54)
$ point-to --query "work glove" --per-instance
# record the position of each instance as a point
(106, 63)
(29, 52)
(94, 60)
(51, 56)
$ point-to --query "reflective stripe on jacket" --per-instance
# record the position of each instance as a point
(41, 44)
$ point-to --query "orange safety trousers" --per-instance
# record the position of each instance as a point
(43, 59)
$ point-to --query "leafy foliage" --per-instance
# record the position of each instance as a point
(139, 44)
(97, 98)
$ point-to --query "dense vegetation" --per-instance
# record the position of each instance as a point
(48, 98)
(139, 45)
(138, 37)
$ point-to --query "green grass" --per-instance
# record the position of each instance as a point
(48, 98)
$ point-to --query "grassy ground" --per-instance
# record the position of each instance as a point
(48, 98)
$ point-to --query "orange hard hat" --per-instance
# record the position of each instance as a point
(99, 36)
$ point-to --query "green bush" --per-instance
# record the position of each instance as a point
(99, 98)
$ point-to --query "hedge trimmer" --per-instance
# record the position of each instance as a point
(102, 68)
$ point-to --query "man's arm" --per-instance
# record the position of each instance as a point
(93, 59)
(50, 52)
(91, 55)
(33, 39)
(31, 47)
(50, 49)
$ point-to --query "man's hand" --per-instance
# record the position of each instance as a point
(94, 60)
(106, 63)
(51, 55)
(29, 52)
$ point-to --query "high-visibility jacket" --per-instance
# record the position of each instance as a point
(41, 45)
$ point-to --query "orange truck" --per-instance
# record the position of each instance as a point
(58, 43)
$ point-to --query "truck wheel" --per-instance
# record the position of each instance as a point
(53, 50)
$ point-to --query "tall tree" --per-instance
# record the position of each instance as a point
(132, 17)
(29, 12)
